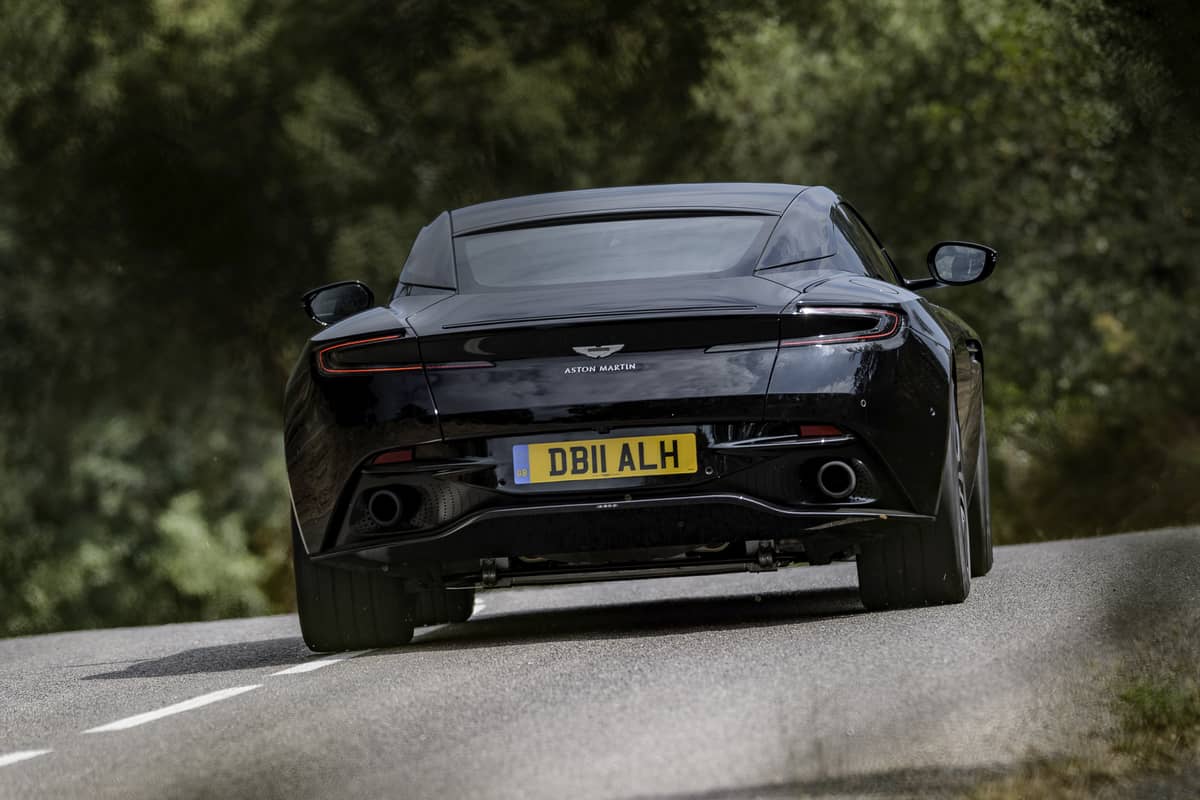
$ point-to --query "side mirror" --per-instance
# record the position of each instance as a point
(336, 301)
(960, 263)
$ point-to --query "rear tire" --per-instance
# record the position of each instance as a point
(462, 604)
(439, 606)
(979, 515)
(343, 609)
(925, 563)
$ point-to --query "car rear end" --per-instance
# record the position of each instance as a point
(615, 397)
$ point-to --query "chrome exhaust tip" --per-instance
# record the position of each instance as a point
(836, 479)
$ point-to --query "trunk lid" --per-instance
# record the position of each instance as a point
(605, 355)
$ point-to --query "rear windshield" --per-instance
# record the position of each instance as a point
(611, 250)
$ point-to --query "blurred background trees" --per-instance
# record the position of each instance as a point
(174, 173)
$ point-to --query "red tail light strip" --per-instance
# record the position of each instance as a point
(461, 365)
(888, 325)
(325, 367)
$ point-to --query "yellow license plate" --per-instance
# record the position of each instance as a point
(595, 459)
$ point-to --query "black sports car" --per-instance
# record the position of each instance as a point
(635, 382)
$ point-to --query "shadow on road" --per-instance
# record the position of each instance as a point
(645, 618)
(280, 652)
(640, 619)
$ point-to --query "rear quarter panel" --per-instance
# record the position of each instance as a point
(966, 350)
(333, 423)
(893, 393)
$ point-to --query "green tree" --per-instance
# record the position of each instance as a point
(173, 174)
(1036, 129)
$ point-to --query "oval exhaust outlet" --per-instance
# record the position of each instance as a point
(836, 479)
(384, 507)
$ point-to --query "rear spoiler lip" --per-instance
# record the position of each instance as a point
(615, 214)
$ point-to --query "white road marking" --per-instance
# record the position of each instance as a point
(177, 708)
(309, 666)
(21, 755)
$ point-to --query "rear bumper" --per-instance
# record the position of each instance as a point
(748, 485)
(893, 399)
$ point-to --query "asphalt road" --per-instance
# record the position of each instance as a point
(771, 685)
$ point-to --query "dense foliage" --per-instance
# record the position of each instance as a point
(173, 174)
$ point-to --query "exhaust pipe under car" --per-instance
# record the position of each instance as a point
(384, 507)
(836, 479)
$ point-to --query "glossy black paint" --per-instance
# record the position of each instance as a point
(671, 332)
(471, 375)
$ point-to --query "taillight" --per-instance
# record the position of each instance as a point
(824, 325)
(392, 353)
(377, 354)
